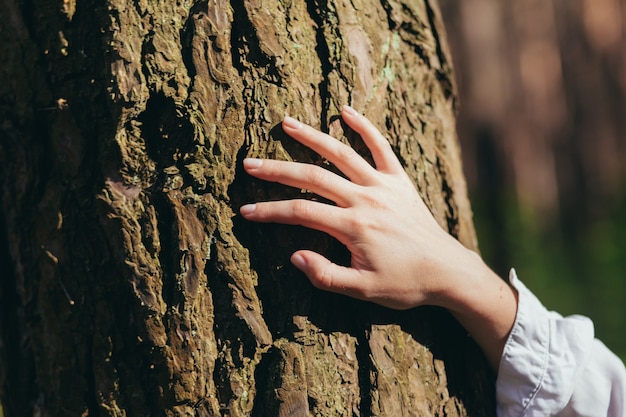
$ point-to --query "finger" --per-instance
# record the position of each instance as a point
(339, 154)
(379, 146)
(329, 276)
(310, 177)
(311, 214)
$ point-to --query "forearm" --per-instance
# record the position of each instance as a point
(483, 303)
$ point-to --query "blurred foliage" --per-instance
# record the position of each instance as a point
(542, 124)
(572, 275)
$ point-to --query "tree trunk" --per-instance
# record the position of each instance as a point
(130, 284)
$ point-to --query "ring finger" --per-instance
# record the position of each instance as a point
(311, 214)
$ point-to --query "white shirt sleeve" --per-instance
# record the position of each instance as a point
(553, 366)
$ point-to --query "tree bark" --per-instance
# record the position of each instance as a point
(130, 284)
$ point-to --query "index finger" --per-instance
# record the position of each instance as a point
(379, 146)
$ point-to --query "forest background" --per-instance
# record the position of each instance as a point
(542, 125)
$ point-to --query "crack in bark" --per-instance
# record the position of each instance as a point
(452, 218)
(235, 340)
(444, 72)
(318, 13)
(165, 223)
(388, 11)
(364, 359)
(237, 35)
(187, 33)
(20, 369)
(247, 51)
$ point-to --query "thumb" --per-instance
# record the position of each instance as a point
(329, 276)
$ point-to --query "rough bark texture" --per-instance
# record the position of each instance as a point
(130, 286)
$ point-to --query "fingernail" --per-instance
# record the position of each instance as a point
(247, 209)
(292, 123)
(252, 163)
(298, 260)
(349, 110)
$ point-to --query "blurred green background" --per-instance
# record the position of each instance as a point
(542, 125)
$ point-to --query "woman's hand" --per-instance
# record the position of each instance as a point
(401, 257)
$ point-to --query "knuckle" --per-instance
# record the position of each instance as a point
(358, 225)
(264, 210)
(380, 139)
(301, 209)
(364, 290)
(346, 152)
(317, 176)
(322, 278)
(375, 201)
(361, 227)
(273, 168)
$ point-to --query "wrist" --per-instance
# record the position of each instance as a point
(484, 304)
(468, 280)
(458, 273)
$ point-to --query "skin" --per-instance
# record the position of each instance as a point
(401, 257)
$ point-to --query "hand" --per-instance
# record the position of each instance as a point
(401, 258)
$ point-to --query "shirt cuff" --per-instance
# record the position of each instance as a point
(542, 358)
